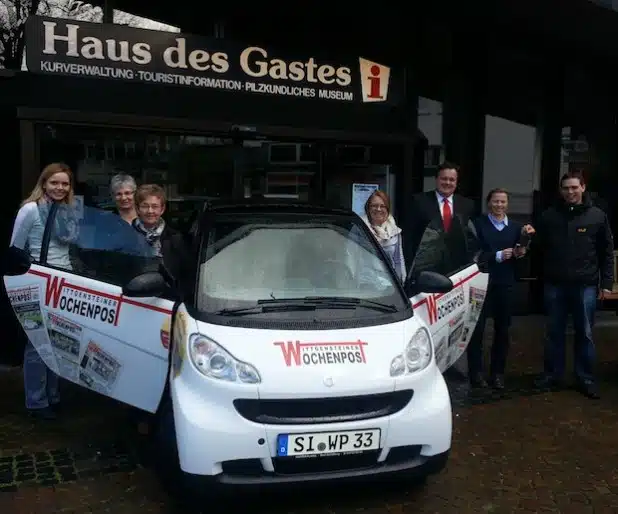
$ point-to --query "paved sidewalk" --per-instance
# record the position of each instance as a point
(523, 451)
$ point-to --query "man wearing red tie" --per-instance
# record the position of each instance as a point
(445, 212)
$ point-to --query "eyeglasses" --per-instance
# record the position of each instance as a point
(377, 207)
(150, 207)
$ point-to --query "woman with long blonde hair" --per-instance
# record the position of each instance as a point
(54, 186)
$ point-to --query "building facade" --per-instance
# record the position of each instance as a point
(309, 102)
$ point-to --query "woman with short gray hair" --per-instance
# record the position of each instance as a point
(123, 191)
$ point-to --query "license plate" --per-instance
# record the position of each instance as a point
(323, 443)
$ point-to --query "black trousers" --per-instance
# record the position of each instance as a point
(498, 305)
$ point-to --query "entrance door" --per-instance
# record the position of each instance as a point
(71, 307)
(312, 169)
(277, 168)
(353, 171)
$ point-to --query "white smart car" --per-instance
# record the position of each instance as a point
(288, 352)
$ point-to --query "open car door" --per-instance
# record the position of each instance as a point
(451, 317)
(71, 307)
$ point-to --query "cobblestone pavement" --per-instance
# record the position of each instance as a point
(522, 452)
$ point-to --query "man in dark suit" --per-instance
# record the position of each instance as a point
(449, 213)
(444, 210)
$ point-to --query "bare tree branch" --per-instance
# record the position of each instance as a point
(13, 16)
(14, 13)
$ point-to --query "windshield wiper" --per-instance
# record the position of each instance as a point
(260, 309)
(308, 303)
(361, 302)
(334, 302)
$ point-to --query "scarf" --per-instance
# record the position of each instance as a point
(66, 221)
(389, 236)
(152, 234)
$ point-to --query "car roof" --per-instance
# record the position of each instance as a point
(259, 204)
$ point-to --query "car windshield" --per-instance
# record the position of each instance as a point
(294, 267)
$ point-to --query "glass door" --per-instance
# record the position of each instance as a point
(277, 169)
(352, 172)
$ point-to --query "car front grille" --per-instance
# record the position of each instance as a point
(307, 411)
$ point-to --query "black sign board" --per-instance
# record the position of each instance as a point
(72, 47)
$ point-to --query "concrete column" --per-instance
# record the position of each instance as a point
(11, 151)
(550, 129)
(409, 176)
(464, 110)
(13, 340)
(550, 137)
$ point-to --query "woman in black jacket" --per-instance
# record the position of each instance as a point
(167, 243)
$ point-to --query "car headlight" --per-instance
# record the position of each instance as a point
(416, 357)
(213, 361)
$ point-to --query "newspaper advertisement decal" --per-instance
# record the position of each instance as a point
(165, 333)
(477, 297)
(456, 327)
(441, 348)
(180, 336)
(466, 333)
(98, 369)
(441, 352)
(26, 302)
(66, 339)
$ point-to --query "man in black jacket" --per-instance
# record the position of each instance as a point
(577, 246)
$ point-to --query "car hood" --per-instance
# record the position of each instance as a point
(320, 362)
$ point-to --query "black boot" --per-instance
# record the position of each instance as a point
(46, 413)
(477, 380)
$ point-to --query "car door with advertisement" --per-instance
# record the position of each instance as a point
(451, 317)
(71, 307)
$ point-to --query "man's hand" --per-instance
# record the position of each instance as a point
(528, 229)
(603, 294)
(519, 251)
(507, 253)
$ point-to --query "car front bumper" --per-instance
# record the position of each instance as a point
(216, 442)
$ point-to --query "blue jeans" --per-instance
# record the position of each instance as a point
(40, 382)
(580, 302)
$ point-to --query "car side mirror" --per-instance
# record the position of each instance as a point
(15, 262)
(428, 282)
(151, 283)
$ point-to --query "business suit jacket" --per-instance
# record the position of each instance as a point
(426, 212)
